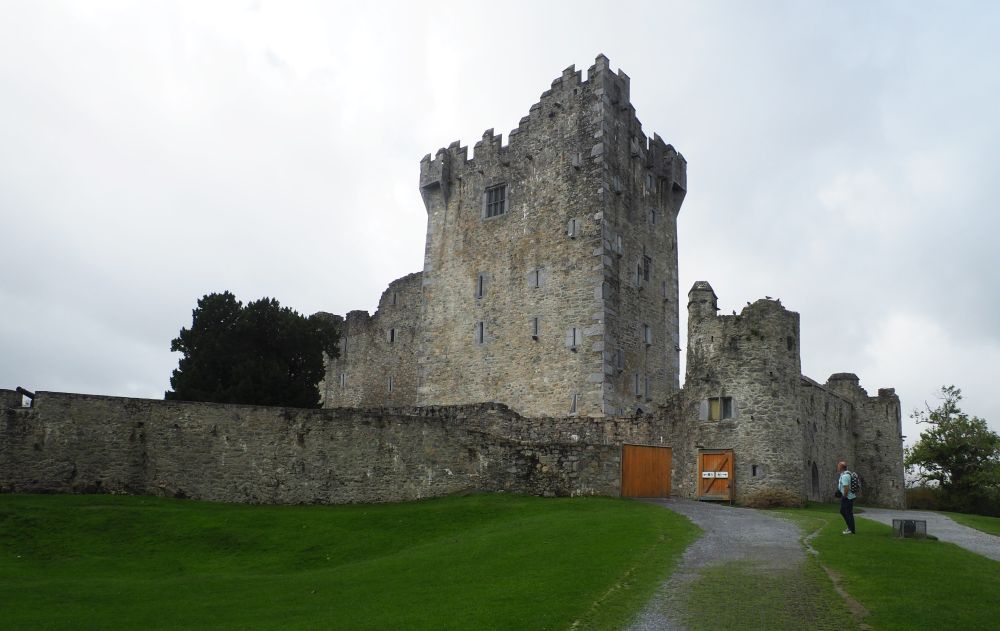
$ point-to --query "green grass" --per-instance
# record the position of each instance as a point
(742, 595)
(905, 583)
(989, 525)
(476, 562)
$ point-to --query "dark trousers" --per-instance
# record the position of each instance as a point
(847, 510)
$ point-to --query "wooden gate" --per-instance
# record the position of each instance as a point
(645, 471)
(715, 474)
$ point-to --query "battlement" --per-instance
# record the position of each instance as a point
(591, 102)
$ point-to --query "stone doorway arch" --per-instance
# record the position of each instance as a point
(815, 481)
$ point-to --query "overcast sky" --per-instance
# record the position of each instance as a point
(842, 156)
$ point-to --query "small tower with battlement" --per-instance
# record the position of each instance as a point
(742, 389)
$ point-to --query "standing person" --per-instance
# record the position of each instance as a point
(846, 497)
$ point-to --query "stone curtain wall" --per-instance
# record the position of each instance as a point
(85, 443)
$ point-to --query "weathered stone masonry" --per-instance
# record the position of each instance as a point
(85, 443)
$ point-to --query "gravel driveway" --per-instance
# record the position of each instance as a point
(942, 527)
(731, 534)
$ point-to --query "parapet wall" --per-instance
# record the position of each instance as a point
(84, 443)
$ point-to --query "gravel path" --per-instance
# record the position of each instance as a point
(942, 527)
(731, 534)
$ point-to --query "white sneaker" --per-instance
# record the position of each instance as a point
(847, 532)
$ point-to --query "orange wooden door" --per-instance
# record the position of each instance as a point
(715, 474)
(645, 471)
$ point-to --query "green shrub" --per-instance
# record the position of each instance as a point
(923, 498)
(980, 501)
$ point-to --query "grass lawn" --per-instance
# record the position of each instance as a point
(990, 525)
(905, 583)
(475, 562)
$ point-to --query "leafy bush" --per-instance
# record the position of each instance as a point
(924, 498)
(982, 501)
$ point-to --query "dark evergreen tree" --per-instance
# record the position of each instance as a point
(261, 353)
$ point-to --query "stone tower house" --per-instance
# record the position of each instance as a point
(550, 269)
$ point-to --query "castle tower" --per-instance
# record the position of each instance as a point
(741, 390)
(550, 265)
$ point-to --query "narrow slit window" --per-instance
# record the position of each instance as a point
(647, 267)
(343, 380)
(638, 392)
(480, 332)
(573, 404)
(389, 383)
(573, 339)
(392, 336)
(535, 278)
(534, 328)
(647, 334)
(480, 285)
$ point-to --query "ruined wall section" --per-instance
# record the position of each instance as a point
(753, 360)
(377, 365)
(237, 453)
(643, 186)
(551, 232)
(828, 421)
(878, 440)
(879, 449)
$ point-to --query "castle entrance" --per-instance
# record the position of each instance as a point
(646, 471)
(715, 474)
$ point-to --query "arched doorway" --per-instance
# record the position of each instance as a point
(815, 481)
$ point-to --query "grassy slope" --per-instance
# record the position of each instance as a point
(989, 525)
(905, 583)
(484, 561)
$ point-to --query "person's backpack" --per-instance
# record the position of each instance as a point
(855, 483)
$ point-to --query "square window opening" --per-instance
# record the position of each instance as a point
(720, 408)
(496, 200)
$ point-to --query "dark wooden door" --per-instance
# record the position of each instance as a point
(715, 474)
(645, 471)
